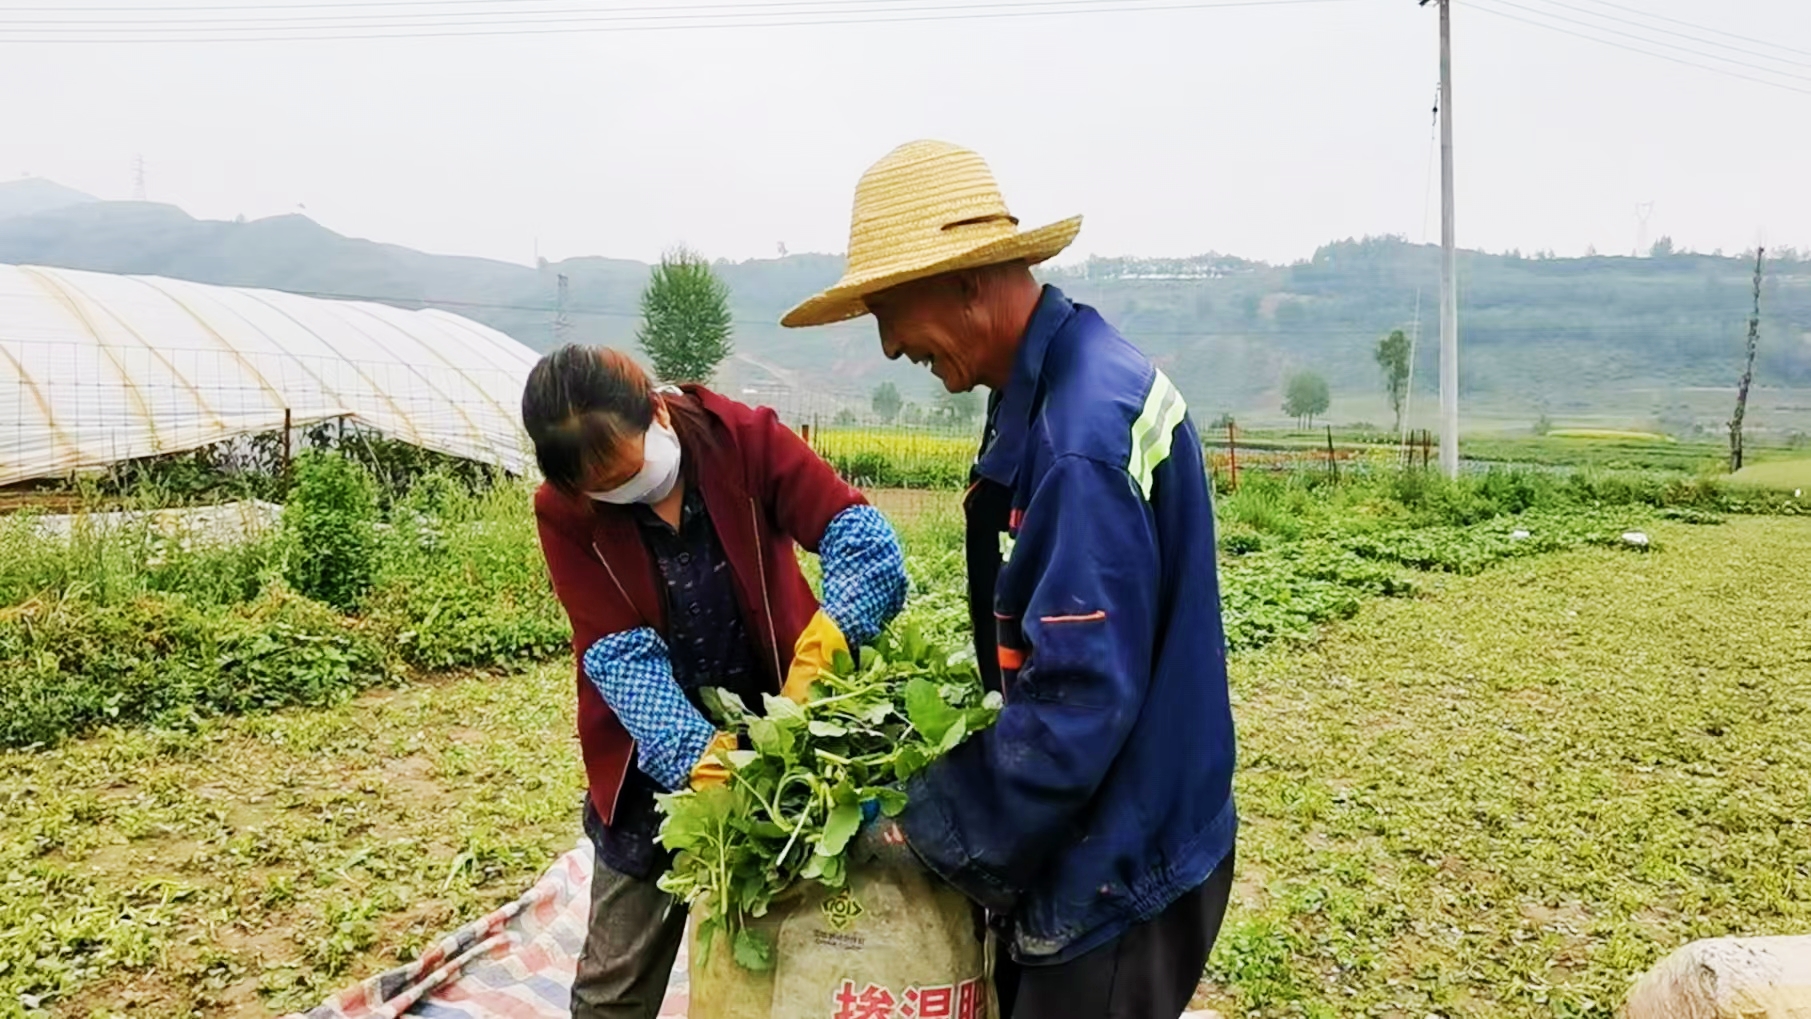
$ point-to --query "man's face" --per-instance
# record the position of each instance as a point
(931, 322)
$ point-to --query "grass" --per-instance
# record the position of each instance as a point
(126, 623)
(183, 860)
(1782, 474)
(1612, 435)
(237, 865)
(1513, 797)
(899, 457)
(1595, 450)
(258, 863)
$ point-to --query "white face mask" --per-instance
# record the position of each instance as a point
(659, 470)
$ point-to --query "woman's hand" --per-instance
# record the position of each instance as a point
(864, 573)
(712, 768)
(634, 675)
(813, 656)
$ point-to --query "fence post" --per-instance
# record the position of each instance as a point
(1332, 464)
(1232, 453)
(286, 441)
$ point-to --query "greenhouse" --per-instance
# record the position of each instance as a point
(97, 369)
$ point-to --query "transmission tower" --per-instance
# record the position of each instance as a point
(562, 326)
(138, 178)
(1643, 210)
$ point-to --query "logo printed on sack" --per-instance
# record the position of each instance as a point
(844, 942)
(841, 910)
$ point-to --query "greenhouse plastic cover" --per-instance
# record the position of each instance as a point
(96, 369)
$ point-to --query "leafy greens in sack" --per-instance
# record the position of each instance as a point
(794, 800)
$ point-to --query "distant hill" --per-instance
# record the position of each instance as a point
(33, 195)
(1653, 340)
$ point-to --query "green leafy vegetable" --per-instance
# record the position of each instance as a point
(793, 803)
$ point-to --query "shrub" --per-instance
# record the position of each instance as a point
(330, 527)
(463, 583)
(74, 665)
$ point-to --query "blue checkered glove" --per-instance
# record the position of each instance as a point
(864, 573)
(633, 674)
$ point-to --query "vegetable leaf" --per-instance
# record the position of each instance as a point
(927, 711)
(844, 821)
(753, 951)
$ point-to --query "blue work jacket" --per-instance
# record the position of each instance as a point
(1104, 793)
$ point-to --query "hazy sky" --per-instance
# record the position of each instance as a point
(1261, 131)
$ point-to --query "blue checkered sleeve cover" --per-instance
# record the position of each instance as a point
(864, 573)
(633, 674)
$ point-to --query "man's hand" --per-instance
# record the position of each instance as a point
(883, 843)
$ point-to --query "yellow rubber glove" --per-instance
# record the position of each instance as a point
(812, 656)
(710, 769)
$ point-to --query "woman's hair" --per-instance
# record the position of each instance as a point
(582, 402)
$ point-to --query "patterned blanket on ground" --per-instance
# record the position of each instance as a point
(516, 963)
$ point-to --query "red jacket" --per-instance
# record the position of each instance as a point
(764, 489)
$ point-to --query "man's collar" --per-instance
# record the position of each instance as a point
(1012, 409)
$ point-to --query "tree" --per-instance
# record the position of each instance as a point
(1393, 357)
(685, 323)
(1754, 337)
(961, 408)
(1306, 396)
(887, 402)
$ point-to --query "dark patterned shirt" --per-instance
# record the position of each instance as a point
(707, 642)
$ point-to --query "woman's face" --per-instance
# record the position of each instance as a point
(623, 462)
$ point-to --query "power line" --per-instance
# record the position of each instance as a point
(1655, 42)
(1701, 28)
(368, 4)
(513, 16)
(102, 35)
(1644, 26)
(1476, 6)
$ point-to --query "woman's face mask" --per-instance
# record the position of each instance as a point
(659, 470)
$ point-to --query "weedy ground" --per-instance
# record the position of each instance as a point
(1513, 796)
(257, 863)
(1505, 796)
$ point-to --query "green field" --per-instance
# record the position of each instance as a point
(1612, 435)
(1793, 474)
(1512, 797)
(226, 795)
(916, 458)
(1504, 798)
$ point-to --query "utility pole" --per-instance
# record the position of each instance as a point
(1449, 278)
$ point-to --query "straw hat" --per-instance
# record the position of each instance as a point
(926, 209)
